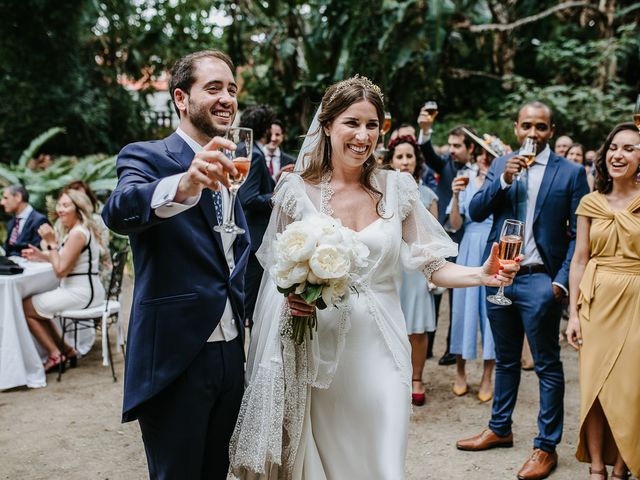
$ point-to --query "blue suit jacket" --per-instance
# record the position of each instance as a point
(554, 223)
(182, 280)
(28, 235)
(255, 195)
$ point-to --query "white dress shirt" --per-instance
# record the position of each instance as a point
(275, 160)
(534, 173)
(23, 216)
(164, 206)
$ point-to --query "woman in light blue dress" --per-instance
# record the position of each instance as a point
(416, 298)
(469, 312)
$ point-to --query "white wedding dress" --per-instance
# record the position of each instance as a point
(337, 407)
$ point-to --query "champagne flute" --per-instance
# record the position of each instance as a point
(511, 238)
(386, 126)
(432, 109)
(528, 151)
(241, 157)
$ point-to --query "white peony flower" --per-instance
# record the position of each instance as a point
(286, 275)
(335, 290)
(328, 262)
(296, 243)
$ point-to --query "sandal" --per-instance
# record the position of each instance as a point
(72, 355)
(623, 476)
(418, 399)
(53, 361)
(602, 472)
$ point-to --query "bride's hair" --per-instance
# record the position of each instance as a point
(337, 98)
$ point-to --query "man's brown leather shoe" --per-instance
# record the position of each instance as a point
(484, 441)
(539, 465)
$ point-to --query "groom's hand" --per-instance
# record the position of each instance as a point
(208, 169)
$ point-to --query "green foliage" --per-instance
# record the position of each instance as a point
(49, 76)
(99, 171)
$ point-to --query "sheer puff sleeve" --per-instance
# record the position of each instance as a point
(426, 245)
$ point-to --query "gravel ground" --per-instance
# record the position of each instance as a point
(71, 430)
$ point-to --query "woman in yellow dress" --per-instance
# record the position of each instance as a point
(604, 322)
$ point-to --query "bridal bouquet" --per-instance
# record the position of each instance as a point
(316, 258)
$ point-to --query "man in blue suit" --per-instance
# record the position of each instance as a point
(184, 363)
(22, 229)
(545, 196)
(255, 195)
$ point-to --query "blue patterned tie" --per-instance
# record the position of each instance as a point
(217, 204)
(521, 199)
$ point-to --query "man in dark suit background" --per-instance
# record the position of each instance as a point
(255, 194)
(184, 364)
(277, 160)
(461, 148)
(22, 229)
(545, 196)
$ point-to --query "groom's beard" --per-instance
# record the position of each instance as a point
(200, 118)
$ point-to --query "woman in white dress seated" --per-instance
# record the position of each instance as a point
(345, 413)
(75, 262)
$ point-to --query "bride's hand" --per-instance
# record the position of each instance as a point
(495, 274)
(298, 307)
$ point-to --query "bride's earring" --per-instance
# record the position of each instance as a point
(638, 175)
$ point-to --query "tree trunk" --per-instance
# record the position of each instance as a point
(608, 68)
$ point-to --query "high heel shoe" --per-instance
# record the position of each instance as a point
(53, 361)
(418, 399)
(602, 472)
(623, 476)
(485, 397)
(460, 391)
(72, 355)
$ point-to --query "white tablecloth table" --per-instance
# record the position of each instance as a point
(20, 362)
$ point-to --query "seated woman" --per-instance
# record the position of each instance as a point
(75, 262)
(104, 267)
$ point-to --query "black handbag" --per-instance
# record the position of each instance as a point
(9, 267)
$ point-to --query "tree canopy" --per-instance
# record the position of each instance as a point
(60, 63)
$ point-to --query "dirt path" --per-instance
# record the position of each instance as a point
(71, 430)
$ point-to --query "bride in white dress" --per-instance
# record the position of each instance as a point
(336, 407)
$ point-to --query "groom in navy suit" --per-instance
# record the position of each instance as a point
(545, 196)
(184, 363)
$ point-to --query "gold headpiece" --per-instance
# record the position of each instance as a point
(356, 80)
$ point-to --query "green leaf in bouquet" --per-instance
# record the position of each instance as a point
(311, 293)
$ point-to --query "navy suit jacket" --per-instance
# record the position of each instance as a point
(564, 183)
(255, 194)
(182, 279)
(28, 235)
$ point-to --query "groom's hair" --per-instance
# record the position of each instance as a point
(182, 73)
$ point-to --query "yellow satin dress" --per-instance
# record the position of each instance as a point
(609, 309)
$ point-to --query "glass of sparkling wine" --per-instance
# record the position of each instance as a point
(241, 157)
(510, 245)
(432, 109)
(528, 151)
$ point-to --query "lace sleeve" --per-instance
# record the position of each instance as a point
(287, 199)
(425, 243)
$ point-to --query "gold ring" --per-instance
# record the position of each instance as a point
(207, 167)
